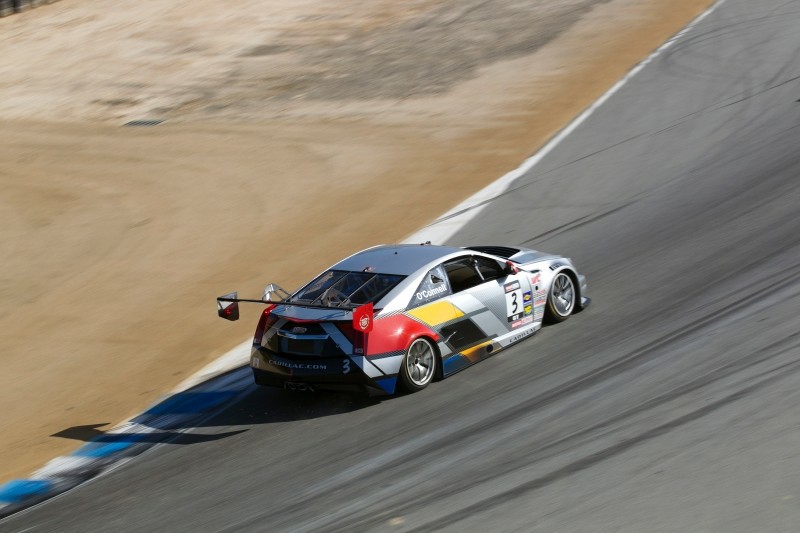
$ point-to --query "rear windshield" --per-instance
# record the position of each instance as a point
(339, 287)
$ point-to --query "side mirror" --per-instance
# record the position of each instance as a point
(228, 307)
(511, 268)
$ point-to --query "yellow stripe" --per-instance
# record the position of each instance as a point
(436, 313)
(469, 352)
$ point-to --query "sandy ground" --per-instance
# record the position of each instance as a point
(295, 132)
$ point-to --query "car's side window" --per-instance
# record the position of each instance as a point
(489, 269)
(462, 274)
(432, 287)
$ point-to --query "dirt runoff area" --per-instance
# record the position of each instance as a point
(294, 132)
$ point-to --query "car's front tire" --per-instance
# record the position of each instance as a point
(561, 299)
(419, 365)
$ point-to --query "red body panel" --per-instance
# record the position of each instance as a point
(395, 333)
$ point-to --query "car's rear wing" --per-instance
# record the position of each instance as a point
(228, 306)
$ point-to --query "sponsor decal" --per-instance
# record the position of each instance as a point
(425, 294)
(298, 366)
(514, 298)
(513, 286)
(536, 279)
(528, 309)
(538, 305)
(540, 298)
(527, 297)
(521, 335)
(522, 322)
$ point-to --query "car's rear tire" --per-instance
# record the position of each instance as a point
(419, 365)
(561, 299)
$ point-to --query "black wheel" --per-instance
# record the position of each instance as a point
(561, 300)
(418, 366)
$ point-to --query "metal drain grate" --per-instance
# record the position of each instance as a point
(147, 122)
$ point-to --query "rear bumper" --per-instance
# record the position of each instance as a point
(340, 374)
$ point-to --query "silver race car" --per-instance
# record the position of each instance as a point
(404, 315)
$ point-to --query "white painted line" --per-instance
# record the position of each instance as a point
(439, 231)
(61, 466)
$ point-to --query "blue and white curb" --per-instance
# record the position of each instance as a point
(196, 399)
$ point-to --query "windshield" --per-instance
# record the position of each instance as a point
(338, 287)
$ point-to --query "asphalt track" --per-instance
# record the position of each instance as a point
(672, 404)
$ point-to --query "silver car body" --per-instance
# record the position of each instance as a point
(468, 315)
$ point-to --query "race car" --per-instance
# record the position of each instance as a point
(401, 316)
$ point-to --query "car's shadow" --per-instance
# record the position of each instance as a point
(267, 405)
(210, 406)
(91, 433)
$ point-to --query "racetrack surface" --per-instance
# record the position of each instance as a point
(671, 404)
(147, 217)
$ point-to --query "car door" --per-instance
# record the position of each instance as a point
(492, 305)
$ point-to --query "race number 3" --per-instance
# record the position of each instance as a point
(514, 306)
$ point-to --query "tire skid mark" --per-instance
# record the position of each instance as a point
(700, 113)
(503, 186)
(577, 223)
(584, 463)
(512, 463)
(784, 162)
(628, 360)
(428, 445)
(789, 274)
(729, 30)
(781, 279)
(353, 522)
(565, 444)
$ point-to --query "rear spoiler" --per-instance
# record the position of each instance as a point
(228, 306)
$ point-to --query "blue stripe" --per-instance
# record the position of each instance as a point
(18, 489)
(388, 384)
(454, 363)
(99, 449)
